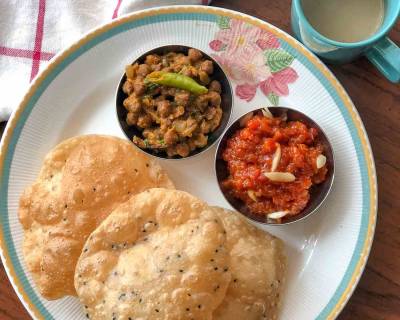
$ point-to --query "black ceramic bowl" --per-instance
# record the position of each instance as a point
(318, 193)
(226, 102)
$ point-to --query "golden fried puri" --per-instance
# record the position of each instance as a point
(81, 181)
(161, 255)
(257, 265)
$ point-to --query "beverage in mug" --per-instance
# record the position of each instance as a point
(341, 30)
(345, 20)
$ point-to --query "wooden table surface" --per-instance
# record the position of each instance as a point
(377, 296)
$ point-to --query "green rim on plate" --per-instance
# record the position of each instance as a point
(195, 13)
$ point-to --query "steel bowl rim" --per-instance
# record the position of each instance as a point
(303, 217)
(206, 148)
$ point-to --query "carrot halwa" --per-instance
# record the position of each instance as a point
(273, 163)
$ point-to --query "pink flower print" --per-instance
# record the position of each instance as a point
(251, 57)
(239, 35)
(278, 82)
(267, 41)
(225, 61)
(246, 66)
(246, 91)
(217, 45)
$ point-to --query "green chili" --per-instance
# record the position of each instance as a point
(176, 80)
(151, 87)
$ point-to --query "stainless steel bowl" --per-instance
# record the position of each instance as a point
(318, 193)
(226, 102)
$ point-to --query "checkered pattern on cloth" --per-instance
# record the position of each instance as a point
(33, 31)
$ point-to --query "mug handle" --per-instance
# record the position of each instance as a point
(385, 56)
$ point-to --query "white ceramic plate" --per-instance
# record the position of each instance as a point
(75, 95)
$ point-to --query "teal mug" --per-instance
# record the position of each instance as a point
(379, 49)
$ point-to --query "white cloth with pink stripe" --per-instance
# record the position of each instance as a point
(33, 31)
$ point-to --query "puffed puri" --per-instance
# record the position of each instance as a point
(165, 254)
(81, 181)
(258, 271)
(160, 255)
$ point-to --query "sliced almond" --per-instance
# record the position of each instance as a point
(276, 158)
(266, 113)
(252, 195)
(277, 214)
(280, 176)
(321, 160)
(245, 119)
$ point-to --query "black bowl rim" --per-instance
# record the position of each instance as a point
(298, 217)
(208, 146)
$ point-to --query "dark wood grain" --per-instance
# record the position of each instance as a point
(377, 296)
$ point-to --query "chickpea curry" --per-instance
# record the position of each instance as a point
(272, 165)
(174, 101)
